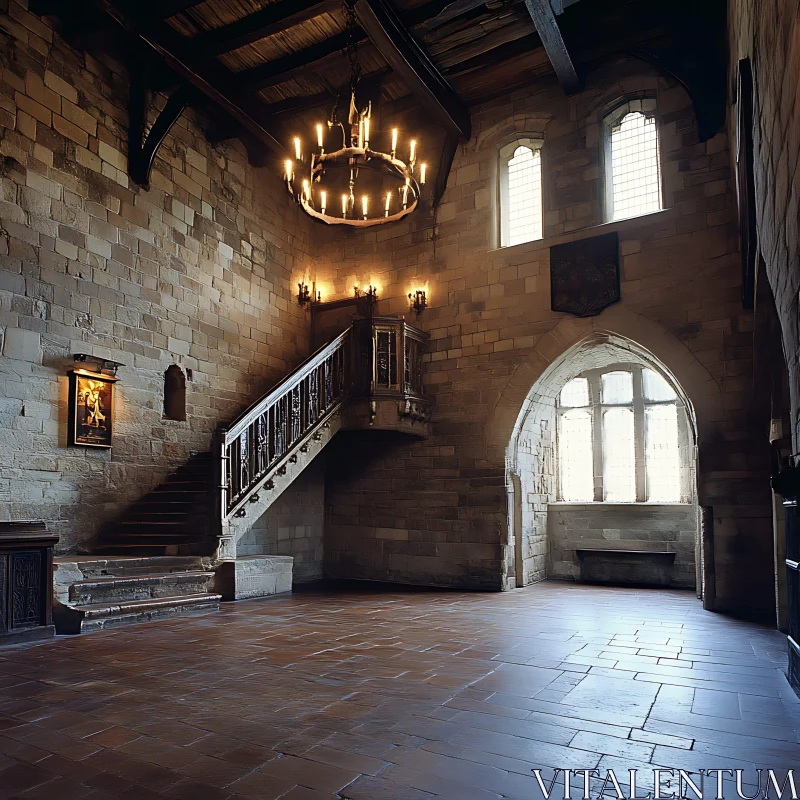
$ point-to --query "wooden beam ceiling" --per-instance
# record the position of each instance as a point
(283, 69)
(409, 62)
(210, 79)
(164, 9)
(272, 19)
(546, 26)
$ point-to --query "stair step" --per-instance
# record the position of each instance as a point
(106, 565)
(99, 616)
(116, 589)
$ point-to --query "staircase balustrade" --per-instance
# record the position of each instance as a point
(375, 360)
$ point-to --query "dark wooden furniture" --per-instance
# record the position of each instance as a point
(26, 582)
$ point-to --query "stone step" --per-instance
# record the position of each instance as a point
(71, 619)
(116, 589)
(111, 565)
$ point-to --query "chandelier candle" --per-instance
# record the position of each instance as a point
(297, 153)
(394, 142)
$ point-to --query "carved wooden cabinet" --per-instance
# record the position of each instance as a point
(26, 581)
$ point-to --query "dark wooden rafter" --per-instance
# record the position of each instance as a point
(410, 62)
(546, 26)
(283, 69)
(164, 9)
(445, 163)
(211, 80)
(272, 19)
(142, 149)
(430, 16)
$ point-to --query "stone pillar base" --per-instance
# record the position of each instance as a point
(254, 576)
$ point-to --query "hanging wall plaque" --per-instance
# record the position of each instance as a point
(91, 408)
(584, 275)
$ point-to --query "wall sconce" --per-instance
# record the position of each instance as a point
(305, 296)
(371, 293)
(419, 301)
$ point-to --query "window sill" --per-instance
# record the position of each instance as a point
(604, 504)
(584, 233)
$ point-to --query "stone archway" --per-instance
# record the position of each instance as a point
(522, 416)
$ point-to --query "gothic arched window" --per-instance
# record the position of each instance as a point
(622, 438)
(521, 205)
(633, 163)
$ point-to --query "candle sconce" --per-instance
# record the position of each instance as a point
(304, 295)
(419, 301)
(371, 293)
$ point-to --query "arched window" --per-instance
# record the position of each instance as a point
(521, 192)
(621, 433)
(633, 163)
(174, 393)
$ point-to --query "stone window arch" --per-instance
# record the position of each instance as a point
(174, 393)
(632, 156)
(520, 192)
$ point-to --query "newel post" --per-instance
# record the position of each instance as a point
(226, 545)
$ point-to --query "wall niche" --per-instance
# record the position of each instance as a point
(174, 393)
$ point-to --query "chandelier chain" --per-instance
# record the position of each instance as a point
(352, 43)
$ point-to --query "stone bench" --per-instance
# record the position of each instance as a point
(254, 576)
(632, 567)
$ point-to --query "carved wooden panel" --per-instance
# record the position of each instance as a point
(27, 589)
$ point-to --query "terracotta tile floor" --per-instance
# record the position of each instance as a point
(394, 696)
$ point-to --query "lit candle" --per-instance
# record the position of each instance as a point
(388, 202)
(288, 166)
(422, 168)
(413, 148)
(360, 132)
(319, 136)
(344, 205)
(394, 141)
(323, 200)
(297, 148)
(366, 132)
(364, 202)
(405, 194)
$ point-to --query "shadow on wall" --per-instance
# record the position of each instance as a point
(550, 538)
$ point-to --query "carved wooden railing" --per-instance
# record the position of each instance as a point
(375, 359)
(267, 431)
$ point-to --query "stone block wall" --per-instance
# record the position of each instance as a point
(630, 526)
(493, 335)
(293, 525)
(197, 271)
(768, 33)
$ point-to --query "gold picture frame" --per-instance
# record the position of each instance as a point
(91, 409)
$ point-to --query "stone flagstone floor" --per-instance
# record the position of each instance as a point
(396, 696)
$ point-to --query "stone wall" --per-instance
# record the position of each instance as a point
(493, 334)
(293, 525)
(624, 526)
(768, 33)
(197, 271)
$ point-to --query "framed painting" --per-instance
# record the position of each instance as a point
(91, 409)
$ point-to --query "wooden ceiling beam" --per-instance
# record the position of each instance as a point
(211, 80)
(413, 66)
(546, 26)
(164, 9)
(272, 19)
(427, 18)
(287, 67)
